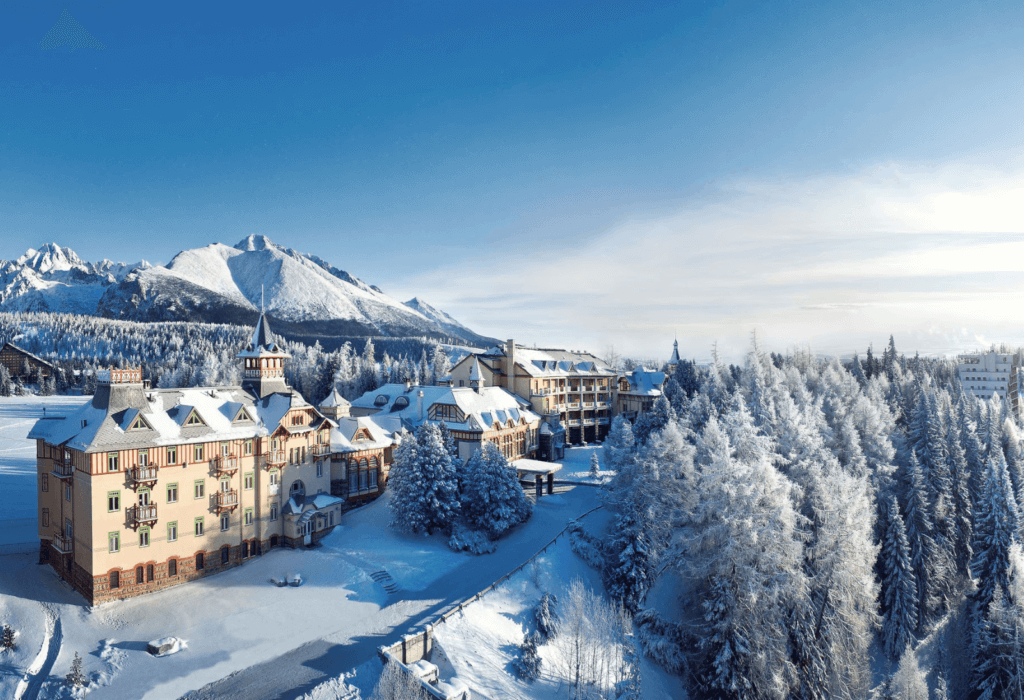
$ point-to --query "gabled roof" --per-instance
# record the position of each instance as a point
(644, 382)
(334, 399)
(478, 406)
(25, 352)
(382, 432)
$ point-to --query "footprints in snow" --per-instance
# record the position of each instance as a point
(387, 583)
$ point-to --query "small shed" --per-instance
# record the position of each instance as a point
(535, 471)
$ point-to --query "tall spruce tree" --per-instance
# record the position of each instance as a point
(492, 499)
(898, 584)
(996, 527)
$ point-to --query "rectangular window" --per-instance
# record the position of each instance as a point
(112, 462)
(319, 469)
(274, 475)
(144, 537)
(373, 478)
(200, 561)
(197, 452)
(353, 479)
(115, 579)
(172, 455)
(248, 516)
(225, 522)
(139, 575)
(46, 517)
(330, 519)
(172, 531)
(114, 542)
(273, 512)
(250, 480)
(67, 492)
(172, 493)
(69, 529)
(363, 480)
(200, 489)
(172, 567)
(113, 501)
(248, 447)
(225, 448)
(143, 458)
(199, 527)
(46, 483)
(149, 573)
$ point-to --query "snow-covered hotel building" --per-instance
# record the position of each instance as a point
(147, 488)
(574, 387)
(992, 373)
(475, 414)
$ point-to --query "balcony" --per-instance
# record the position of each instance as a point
(63, 470)
(602, 421)
(602, 404)
(141, 515)
(225, 500)
(541, 392)
(573, 421)
(276, 458)
(573, 405)
(62, 544)
(588, 421)
(225, 464)
(321, 450)
(142, 476)
(588, 404)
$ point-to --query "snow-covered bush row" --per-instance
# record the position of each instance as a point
(809, 507)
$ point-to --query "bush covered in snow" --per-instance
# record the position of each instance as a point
(473, 541)
(544, 615)
(7, 639)
(527, 664)
(661, 641)
(76, 676)
(588, 547)
(397, 684)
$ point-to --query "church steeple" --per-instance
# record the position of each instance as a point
(263, 362)
(674, 360)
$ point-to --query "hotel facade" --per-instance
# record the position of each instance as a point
(141, 489)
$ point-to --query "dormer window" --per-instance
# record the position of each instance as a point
(138, 424)
(194, 419)
(381, 400)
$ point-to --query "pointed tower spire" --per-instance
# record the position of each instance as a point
(674, 360)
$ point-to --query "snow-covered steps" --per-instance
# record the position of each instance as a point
(387, 583)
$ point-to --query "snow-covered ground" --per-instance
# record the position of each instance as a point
(18, 462)
(274, 640)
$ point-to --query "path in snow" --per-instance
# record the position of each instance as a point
(300, 670)
(39, 671)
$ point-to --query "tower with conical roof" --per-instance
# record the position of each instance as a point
(263, 362)
(476, 376)
(674, 360)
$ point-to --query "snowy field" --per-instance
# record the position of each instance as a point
(277, 642)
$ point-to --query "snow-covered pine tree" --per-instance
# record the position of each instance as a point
(909, 682)
(996, 525)
(448, 439)
(438, 503)
(544, 615)
(631, 570)
(960, 506)
(858, 371)
(660, 415)
(7, 638)
(492, 499)
(898, 583)
(76, 676)
(1000, 642)
(595, 466)
(923, 554)
(527, 664)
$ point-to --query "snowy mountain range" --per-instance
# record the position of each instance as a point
(303, 295)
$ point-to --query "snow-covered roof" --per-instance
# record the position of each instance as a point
(225, 413)
(25, 352)
(674, 360)
(307, 506)
(379, 432)
(261, 344)
(475, 375)
(481, 408)
(334, 399)
(535, 466)
(551, 362)
(644, 382)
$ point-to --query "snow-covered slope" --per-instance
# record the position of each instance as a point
(304, 295)
(56, 279)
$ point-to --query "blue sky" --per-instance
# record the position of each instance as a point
(569, 173)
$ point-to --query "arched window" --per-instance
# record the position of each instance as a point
(363, 464)
(373, 462)
(297, 488)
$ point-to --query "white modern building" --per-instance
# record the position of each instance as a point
(992, 373)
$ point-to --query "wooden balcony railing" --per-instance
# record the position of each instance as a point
(224, 464)
(63, 470)
(321, 450)
(61, 543)
(276, 457)
(225, 500)
(142, 515)
(142, 476)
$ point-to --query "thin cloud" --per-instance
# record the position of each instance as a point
(834, 261)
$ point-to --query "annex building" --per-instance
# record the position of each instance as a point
(143, 488)
(572, 389)
(992, 373)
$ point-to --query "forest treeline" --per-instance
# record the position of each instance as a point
(180, 354)
(819, 520)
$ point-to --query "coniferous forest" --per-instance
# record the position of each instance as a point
(182, 354)
(820, 523)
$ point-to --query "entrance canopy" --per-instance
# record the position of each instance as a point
(526, 468)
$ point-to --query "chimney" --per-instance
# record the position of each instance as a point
(419, 405)
(510, 370)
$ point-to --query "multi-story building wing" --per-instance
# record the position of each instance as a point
(21, 363)
(474, 415)
(572, 389)
(992, 373)
(142, 489)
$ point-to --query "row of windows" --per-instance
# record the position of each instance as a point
(145, 574)
(198, 454)
(199, 527)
